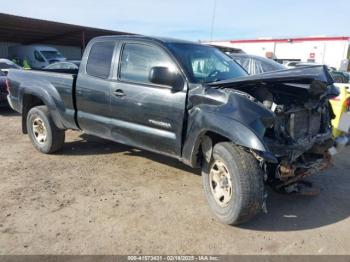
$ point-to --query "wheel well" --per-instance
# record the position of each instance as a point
(206, 144)
(216, 138)
(29, 101)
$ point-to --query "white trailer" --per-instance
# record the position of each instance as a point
(331, 51)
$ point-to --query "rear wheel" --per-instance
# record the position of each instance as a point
(233, 184)
(42, 131)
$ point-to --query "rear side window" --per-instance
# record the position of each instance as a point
(138, 59)
(100, 59)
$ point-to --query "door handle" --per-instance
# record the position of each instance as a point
(119, 93)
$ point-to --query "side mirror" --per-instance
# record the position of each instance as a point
(163, 76)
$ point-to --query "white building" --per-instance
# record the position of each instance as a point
(331, 51)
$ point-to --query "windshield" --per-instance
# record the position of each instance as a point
(51, 55)
(204, 64)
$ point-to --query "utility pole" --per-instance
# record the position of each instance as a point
(212, 21)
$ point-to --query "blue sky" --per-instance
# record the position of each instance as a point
(191, 20)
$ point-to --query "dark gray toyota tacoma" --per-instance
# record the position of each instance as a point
(191, 102)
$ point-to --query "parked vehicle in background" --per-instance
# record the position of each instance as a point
(6, 64)
(339, 76)
(256, 64)
(341, 109)
(3, 89)
(37, 56)
(290, 64)
(64, 65)
(191, 102)
(229, 50)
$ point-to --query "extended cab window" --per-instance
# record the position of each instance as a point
(100, 59)
(138, 59)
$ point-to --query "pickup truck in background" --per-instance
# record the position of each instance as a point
(191, 102)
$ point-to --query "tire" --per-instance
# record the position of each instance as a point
(42, 131)
(247, 186)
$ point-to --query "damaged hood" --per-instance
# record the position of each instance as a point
(315, 79)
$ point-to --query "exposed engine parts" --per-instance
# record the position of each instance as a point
(299, 134)
(295, 174)
(285, 171)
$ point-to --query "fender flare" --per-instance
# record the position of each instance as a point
(48, 94)
(231, 129)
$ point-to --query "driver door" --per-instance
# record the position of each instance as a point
(144, 114)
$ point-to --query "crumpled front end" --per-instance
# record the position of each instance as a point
(301, 139)
(299, 133)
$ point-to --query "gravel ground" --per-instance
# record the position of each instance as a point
(99, 197)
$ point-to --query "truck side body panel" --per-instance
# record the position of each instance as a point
(93, 105)
(158, 118)
(93, 99)
(54, 90)
(142, 115)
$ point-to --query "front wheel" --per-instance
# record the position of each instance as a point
(42, 131)
(233, 184)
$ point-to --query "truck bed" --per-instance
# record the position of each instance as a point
(61, 84)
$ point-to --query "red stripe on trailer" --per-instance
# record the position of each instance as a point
(286, 40)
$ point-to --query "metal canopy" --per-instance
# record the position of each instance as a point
(27, 31)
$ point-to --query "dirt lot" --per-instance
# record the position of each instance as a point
(99, 197)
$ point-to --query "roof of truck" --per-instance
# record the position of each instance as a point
(153, 38)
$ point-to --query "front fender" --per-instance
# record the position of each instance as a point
(203, 121)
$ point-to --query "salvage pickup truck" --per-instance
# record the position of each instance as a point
(191, 102)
